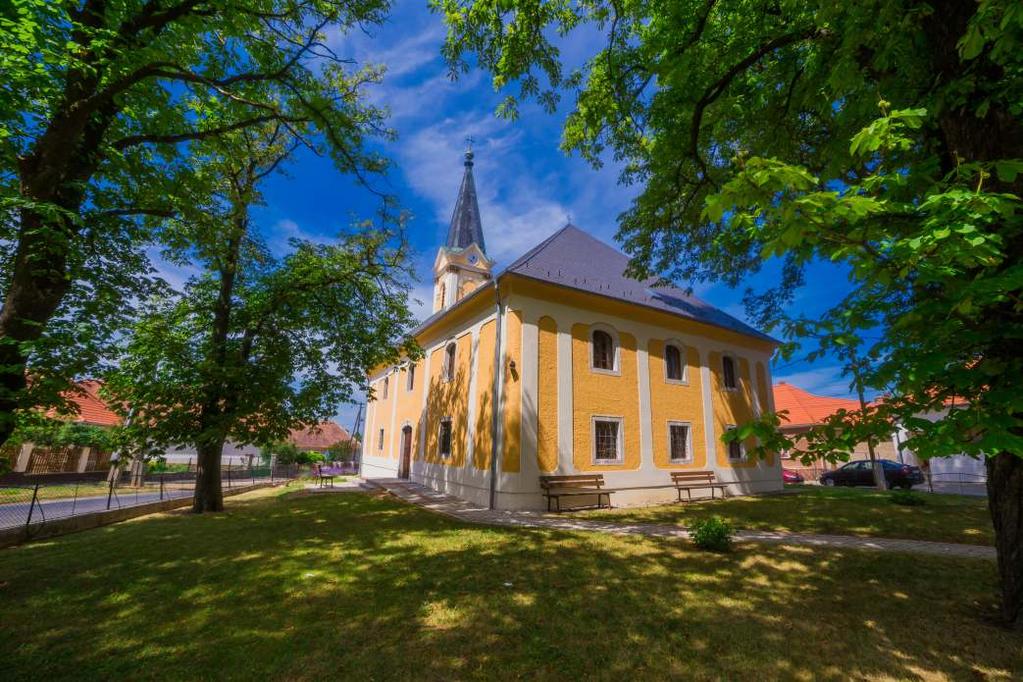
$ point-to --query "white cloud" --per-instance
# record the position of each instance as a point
(175, 275)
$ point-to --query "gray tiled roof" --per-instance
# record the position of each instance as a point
(574, 259)
(466, 227)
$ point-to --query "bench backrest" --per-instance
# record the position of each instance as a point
(678, 477)
(577, 481)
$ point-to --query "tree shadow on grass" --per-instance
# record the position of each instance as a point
(843, 511)
(352, 585)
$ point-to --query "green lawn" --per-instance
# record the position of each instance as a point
(841, 511)
(352, 586)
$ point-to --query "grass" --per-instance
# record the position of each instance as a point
(353, 586)
(832, 511)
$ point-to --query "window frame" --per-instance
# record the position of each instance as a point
(735, 372)
(742, 446)
(683, 359)
(445, 421)
(619, 445)
(688, 459)
(450, 360)
(616, 367)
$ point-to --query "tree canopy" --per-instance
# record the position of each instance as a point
(885, 136)
(101, 105)
(258, 344)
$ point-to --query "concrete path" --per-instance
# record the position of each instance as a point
(464, 511)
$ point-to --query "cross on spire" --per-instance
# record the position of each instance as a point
(468, 149)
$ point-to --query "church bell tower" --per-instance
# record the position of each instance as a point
(462, 264)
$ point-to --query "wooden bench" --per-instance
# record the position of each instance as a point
(696, 480)
(556, 487)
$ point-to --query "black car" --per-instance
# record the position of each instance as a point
(861, 473)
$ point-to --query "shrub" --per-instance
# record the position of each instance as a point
(714, 534)
(908, 498)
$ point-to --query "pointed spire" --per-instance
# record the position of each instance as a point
(466, 227)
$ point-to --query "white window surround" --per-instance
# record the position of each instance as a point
(683, 353)
(688, 459)
(450, 360)
(440, 438)
(735, 371)
(620, 446)
(616, 356)
(742, 447)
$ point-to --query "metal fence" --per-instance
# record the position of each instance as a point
(959, 482)
(38, 502)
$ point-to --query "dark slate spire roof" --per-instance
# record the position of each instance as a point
(466, 227)
(574, 259)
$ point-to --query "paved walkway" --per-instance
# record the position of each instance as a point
(464, 511)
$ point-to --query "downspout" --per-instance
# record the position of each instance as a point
(495, 426)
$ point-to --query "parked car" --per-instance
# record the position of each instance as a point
(860, 472)
(791, 476)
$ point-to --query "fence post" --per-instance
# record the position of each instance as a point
(110, 493)
(161, 486)
(229, 473)
(35, 496)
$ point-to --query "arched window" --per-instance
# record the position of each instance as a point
(674, 370)
(603, 350)
(449, 362)
(387, 383)
(728, 370)
(411, 378)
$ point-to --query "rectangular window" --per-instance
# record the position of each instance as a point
(445, 438)
(728, 369)
(380, 440)
(735, 449)
(411, 377)
(607, 445)
(678, 442)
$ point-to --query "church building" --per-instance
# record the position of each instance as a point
(560, 364)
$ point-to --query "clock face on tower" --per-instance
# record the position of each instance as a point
(472, 259)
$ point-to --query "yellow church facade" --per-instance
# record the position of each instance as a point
(595, 373)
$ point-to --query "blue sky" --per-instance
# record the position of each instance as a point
(527, 187)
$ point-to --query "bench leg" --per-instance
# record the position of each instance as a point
(689, 492)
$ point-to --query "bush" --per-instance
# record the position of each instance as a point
(908, 498)
(713, 534)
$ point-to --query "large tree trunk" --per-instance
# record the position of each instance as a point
(1005, 500)
(208, 494)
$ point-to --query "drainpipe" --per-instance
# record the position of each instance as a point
(498, 386)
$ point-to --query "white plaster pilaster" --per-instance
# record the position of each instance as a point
(528, 371)
(646, 447)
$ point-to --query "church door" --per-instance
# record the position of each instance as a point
(405, 466)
